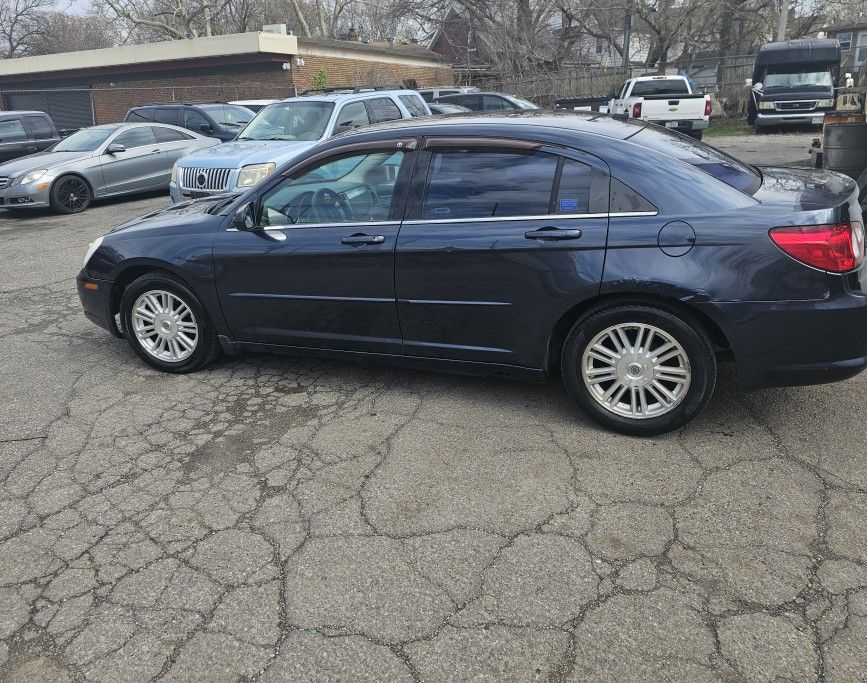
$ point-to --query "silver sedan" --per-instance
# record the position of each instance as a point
(97, 162)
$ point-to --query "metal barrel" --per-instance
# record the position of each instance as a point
(845, 146)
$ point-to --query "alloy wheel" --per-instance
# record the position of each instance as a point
(636, 370)
(165, 326)
(73, 194)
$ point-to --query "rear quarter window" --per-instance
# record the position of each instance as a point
(140, 114)
(414, 104)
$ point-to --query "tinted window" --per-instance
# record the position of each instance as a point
(708, 159)
(427, 95)
(492, 103)
(231, 115)
(38, 127)
(194, 120)
(414, 104)
(625, 199)
(353, 115)
(11, 130)
(383, 109)
(140, 114)
(170, 115)
(473, 102)
(663, 86)
(573, 194)
(136, 137)
(468, 184)
(349, 189)
(169, 134)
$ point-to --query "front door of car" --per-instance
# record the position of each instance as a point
(138, 166)
(317, 267)
(501, 240)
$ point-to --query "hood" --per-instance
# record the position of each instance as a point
(204, 212)
(805, 189)
(243, 152)
(40, 160)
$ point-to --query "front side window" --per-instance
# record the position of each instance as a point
(353, 115)
(12, 130)
(170, 115)
(414, 104)
(304, 121)
(136, 137)
(383, 109)
(494, 103)
(352, 188)
(482, 184)
(194, 120)
(232, 115)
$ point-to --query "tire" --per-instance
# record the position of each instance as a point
(70, 194)
(692, 369)
(181, 337)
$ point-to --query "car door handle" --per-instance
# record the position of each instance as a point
(360, 238)
(552, 233)
(155, 151)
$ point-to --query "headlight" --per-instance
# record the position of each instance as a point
(91, 250)
(825, 103)
(32, 177)
(766, 105)
(175, 172)
(250, 175)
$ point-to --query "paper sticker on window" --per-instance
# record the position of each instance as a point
(439, 210)
(569, 205)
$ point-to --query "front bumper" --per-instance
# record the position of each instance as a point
(795, 343)
(95, 297)
(809, 118)
(33, 195)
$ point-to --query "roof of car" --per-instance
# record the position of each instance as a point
(582, 122)
(21, 112)
(351, 95)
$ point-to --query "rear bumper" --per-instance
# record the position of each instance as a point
(794, 343)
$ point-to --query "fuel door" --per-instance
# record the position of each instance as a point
(676, 238)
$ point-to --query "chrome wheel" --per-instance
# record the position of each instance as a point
(165, 326)
(636, 370)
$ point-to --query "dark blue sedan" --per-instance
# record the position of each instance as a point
(626, 257)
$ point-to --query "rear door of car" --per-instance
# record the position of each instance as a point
(40, 132)
(13, 139)
(501, 238)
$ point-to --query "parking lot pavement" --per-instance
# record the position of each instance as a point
(290, 519)
(767, 149)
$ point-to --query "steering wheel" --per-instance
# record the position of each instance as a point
(298, 208)
(329, 206)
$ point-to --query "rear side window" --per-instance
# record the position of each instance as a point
(353, 115)
(38, 127)
(478, 184)
(626, 200)
(136, 137)
(169, 134)
(414, 104)
(573, 193)
(473, 102)
(383, 109)
(12, 130)
(427, 95)
(662, 86)
(140, 114)
(708, 159)
(493, 103)
(170, 115)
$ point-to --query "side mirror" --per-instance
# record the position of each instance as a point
(245, 217)
(115, 148)
(748, 82)
(758, 86)
(206, 129)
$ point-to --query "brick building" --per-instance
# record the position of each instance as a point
(99, 86)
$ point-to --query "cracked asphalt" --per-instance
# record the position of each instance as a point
(280, 519)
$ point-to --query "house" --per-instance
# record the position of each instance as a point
(853, 46)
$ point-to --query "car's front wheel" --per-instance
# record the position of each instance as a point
(639, 369)
(70, 194)
(166, 325)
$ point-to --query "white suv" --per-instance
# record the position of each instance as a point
(281, 132)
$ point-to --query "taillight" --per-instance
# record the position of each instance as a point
(636, 110)
(707, 107)
(836, 248)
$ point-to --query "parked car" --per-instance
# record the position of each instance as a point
(668, 101)
(442, 108)
(214, 119)
(619, 253)
(431, 94)
(97, 162)
(254, 106)
(25, 132)
(487, 101)
(793, 83)
(282, 131)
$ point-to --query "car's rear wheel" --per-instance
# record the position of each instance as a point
(166, 325)
(639, 369)
(70, 194)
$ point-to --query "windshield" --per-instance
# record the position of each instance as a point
(228, 114)
(721, 166)
(794, 79)
(86, 140)
(304, 121)
(662, 86)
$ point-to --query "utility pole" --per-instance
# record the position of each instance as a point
(784, 18)
(627, 31)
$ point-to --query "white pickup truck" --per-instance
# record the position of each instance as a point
(665, 100)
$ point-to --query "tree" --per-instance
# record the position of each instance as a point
(19, 24)
(61, 32)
